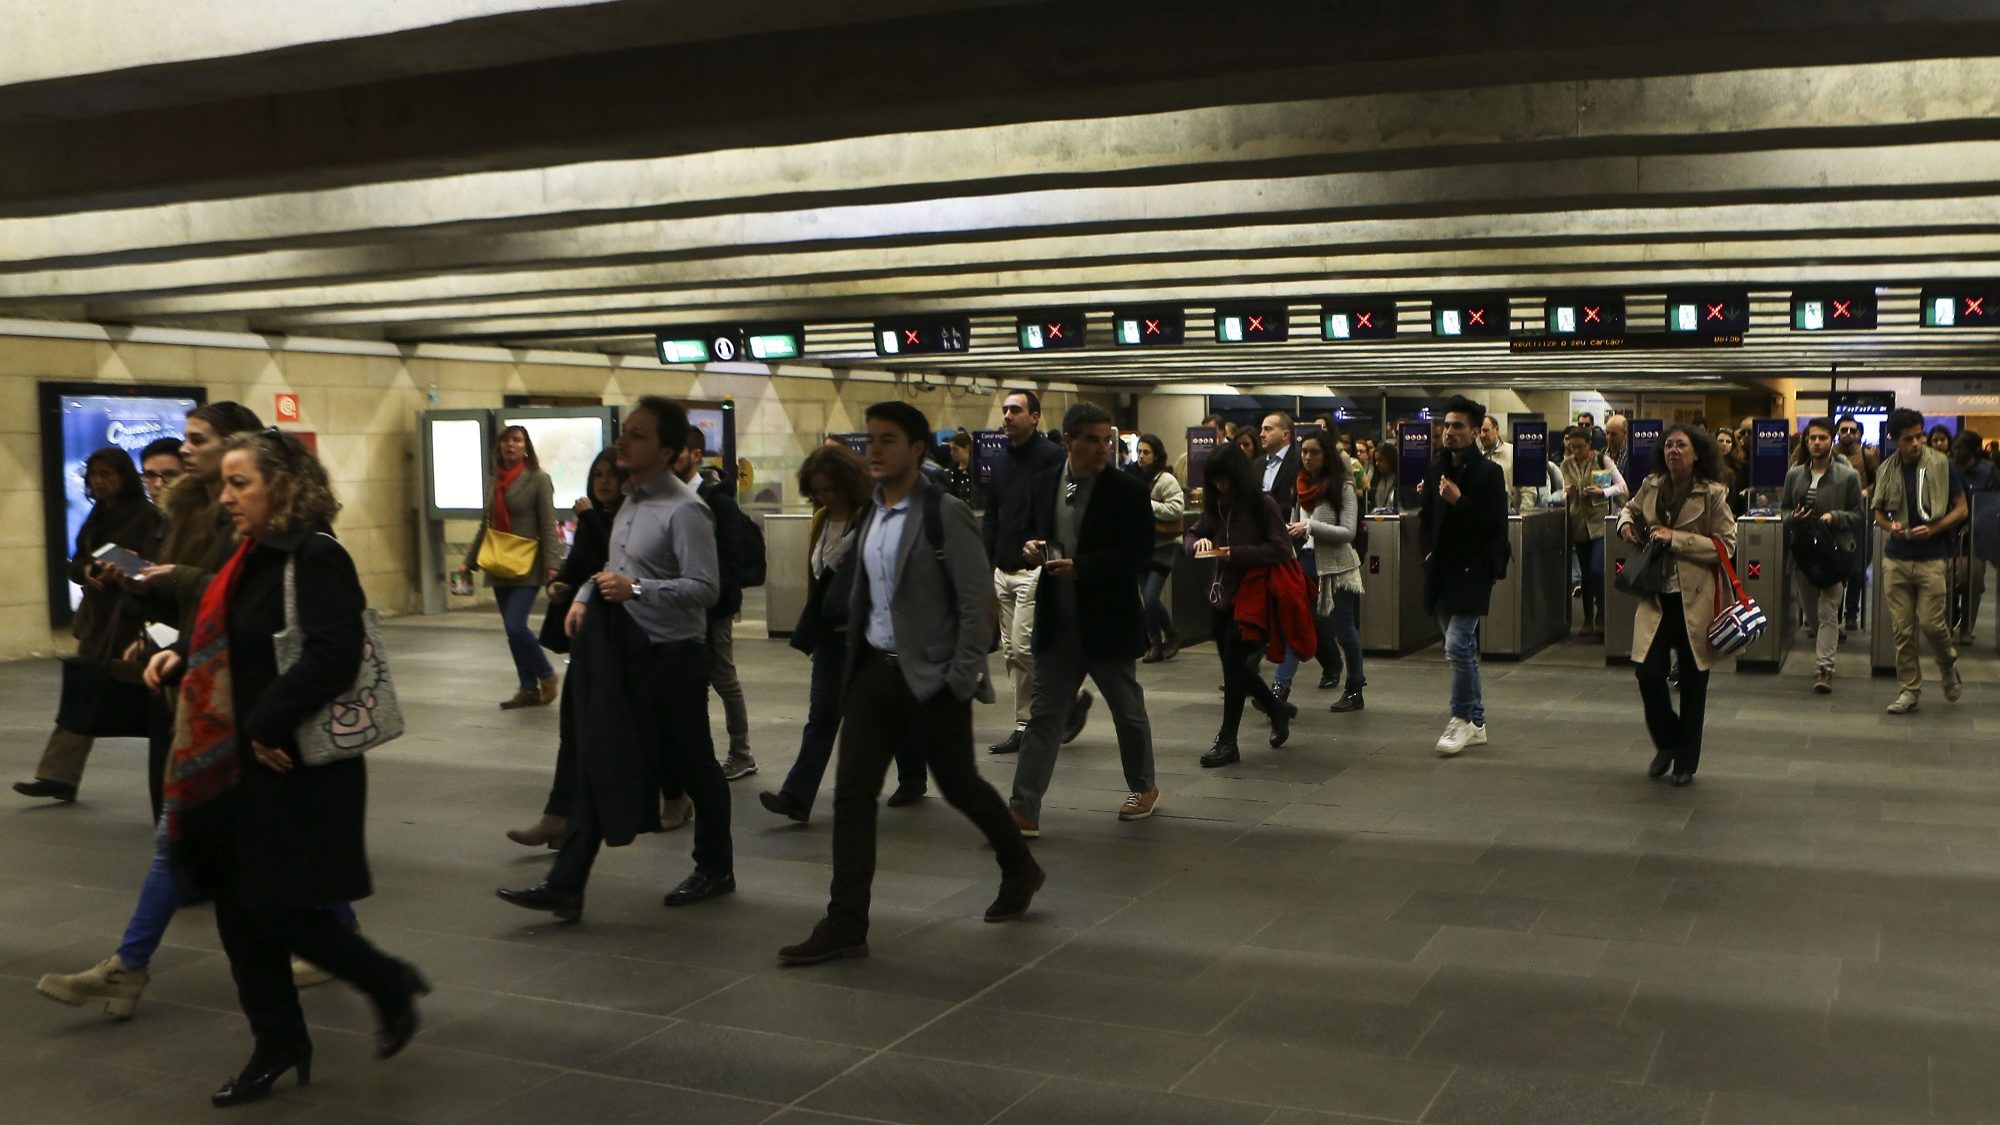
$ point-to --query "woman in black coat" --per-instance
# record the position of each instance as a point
(589, 553)
(270, 841)
(122, 516)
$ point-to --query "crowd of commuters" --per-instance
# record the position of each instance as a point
(914, 571)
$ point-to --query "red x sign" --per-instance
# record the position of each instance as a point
(1714, 313)
(1620, 564)
(1152, 328)
(910, 335)
(1256, 324)
(1475, 316)
(1055, 332)
(1975, 306)
(1364, 320)
(1590, 315)
(1841, 309)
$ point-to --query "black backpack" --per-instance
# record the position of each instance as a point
(744, 535)
(1821, 551)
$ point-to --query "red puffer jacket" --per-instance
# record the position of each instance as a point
(1277, 602)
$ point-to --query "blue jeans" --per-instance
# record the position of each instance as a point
(530, 663)
(1461, 651)
(829, 661)
(158, 901)
(1347, 634)
(1159, 620)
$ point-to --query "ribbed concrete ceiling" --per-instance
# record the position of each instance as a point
(580, 175)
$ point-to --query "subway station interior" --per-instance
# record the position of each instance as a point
(397, 233)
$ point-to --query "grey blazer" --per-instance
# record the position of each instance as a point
(1839, 493)
(941, 633)
(531, 508)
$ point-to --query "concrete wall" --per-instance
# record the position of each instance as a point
(362, 400)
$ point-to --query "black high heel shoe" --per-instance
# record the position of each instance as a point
(261, 1073)
(399, 1023)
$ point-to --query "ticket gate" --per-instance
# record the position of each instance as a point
(1760, 566)
(1186, 596)
(1619, 606)
(786, 536)
(1530, 606)
(1393, 621)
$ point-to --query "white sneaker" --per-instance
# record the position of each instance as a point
(1456, 734)
(1906, 702)
(1478, 734)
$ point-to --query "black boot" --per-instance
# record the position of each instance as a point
(1222, 753)
(1281, 724)
(398, 1015)
(1349, 701)
(261, 1073)
(1170, 647)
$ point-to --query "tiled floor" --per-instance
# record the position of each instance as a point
(1347, 929)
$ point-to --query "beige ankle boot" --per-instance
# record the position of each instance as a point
(544, 833)
(109, 980)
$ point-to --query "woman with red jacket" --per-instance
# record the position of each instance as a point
(1245, 529)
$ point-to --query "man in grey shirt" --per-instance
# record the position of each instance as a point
(641, 657)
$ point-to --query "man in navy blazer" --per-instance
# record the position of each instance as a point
(1093, 540)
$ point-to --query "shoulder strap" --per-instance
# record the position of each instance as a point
(1728, 568)
(291, 593)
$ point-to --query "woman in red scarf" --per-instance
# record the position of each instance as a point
(522, 503)
(270, 841)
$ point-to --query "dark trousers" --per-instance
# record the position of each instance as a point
(1159, 619)
(676, 709)
(1857, 588)
(261, 944)
(562, 789)
(816, 742)
(883, 714)
(1241, 674)
(1676, 735)
(1589, 556)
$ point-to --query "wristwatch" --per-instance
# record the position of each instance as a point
(638, 587)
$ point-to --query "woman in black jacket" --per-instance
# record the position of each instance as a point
(1244, 525)
(122, 516)
(270, 841)
(588, 555)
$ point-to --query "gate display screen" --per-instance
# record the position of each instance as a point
(1708, 312)
(1149, 326)
(923, 336)
(1252, 324)
(1834, 310)
(1358, 321)
(1050, 329)
(1471, 317)
(1970, 306)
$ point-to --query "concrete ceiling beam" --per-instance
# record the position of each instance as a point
(1738, 110)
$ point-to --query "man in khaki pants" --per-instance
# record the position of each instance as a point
(1919, 503)
(1007, 526)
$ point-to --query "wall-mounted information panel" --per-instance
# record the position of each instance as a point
(1253, 323)
(1149, 326)
(1357, 320)
(1841, 309)
(1050, 329)
(1708, 312)
(1470, 316)
(723, 343)
(930, 335)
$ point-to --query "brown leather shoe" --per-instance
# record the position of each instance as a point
(544, 833)
(551, 686)
(521, 699)
(1029, 829)
(1139, 806)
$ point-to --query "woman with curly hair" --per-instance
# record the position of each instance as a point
(270, 841)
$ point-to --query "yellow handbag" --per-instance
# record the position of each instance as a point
(508, 556)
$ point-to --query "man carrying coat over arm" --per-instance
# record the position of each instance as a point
(1093, 538)
(1464, 524)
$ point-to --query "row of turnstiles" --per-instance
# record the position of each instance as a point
(1531, 606)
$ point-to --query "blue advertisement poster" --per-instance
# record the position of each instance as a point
(1531, 454)
(857, 442)
(1642, 437)
(88, 422)
(1770, 449)
(1200, 443)
(988, 446)
(1413, 457)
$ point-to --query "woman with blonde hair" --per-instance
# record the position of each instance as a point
(269, 840)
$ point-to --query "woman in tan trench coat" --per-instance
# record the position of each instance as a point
(1684, 501)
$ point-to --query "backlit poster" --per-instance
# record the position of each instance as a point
(1200, 444)
(1642, 437)
(1531, 454)
(1413, 453)
(988, 446)
(1770, 454)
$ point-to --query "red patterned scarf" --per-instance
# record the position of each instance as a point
(502, 519)
(204, 764)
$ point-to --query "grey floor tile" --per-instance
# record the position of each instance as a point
(794, 1005)
(1062, 1047)
(1727, 1108)
(1482, 1096)
(1317, 1078)
(650, 988)
(544, 1031)
(922, 1091)
(612, 1101)
(1376, 1029)
(1062, 1101)
(1507, 951)
(1165, 1005)
(1492, 912)
(721, 1060)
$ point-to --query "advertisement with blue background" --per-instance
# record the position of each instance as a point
(75, 425)
(1413, 456)
(1642, 437)
(988, 446)
(1531, 454)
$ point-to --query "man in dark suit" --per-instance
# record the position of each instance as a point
(916, 659)
(1280, 465)
(1093, 540)
(1463, 517)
